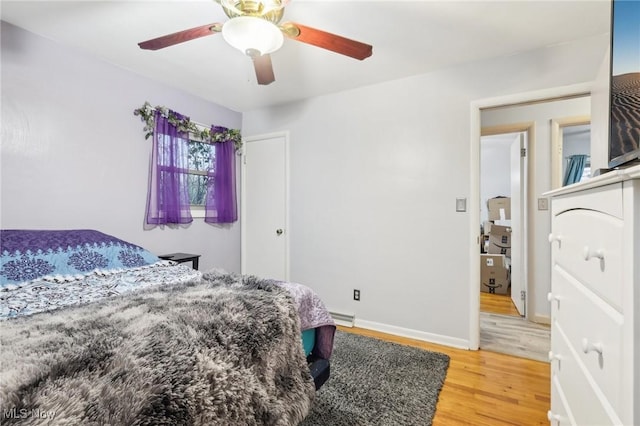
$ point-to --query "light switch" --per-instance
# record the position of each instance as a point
(543, 204)
(461, 204)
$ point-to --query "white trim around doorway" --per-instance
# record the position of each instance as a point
(474, 193)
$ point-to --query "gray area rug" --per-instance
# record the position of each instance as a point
(374, 382)
(514, 336)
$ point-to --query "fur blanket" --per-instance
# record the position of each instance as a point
(222, 351)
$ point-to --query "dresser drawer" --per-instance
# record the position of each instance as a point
(588, 244)
(560, 414)
(576, 388)
(593, 326)
(606, 199)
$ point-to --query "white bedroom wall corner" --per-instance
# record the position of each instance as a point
(337, 201)
(68, 159)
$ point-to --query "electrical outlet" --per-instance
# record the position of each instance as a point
(356, 294)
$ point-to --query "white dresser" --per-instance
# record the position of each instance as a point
(595, 301)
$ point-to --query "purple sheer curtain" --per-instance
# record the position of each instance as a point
(221, 205)
(168, 196)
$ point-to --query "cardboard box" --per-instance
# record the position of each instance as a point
(492, 248)
(499, 240)
(499, 208)
(494, 274)
(500, 235)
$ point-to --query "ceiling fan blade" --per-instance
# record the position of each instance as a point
(325, 40)
(181, 36)
(264, 69)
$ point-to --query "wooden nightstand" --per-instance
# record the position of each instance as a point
(182, 257)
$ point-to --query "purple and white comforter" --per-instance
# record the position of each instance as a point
(313, 314)
(51, 292)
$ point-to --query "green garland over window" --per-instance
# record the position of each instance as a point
(219, 134)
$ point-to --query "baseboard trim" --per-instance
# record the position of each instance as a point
(541, 319)
(343, 319)
(413, 334)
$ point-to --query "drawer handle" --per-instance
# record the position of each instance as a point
(590, 253)
(553, 356)
(557, 238)
(551, 417)
(591, 347)
(553, 298)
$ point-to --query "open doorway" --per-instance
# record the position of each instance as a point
(538, 222)
(503, 208)
(503, 195)
(515, 114)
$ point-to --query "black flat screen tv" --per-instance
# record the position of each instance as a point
(624, 98)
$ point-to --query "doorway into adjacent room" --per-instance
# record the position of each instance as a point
(503, 249)
(503, 208)
(516, 321)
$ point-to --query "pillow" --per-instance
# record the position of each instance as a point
(26, 255)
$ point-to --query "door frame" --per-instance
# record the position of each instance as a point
(557, 124)
(581, 89)
(243, 204)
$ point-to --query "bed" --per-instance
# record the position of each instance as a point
(96, 330)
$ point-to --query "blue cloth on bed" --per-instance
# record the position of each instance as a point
(26, 255)
(308, 340)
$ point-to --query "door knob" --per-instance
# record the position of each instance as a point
(279, 231)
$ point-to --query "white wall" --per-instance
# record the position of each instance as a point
(576, 140)
(74, 155)
(374, 177)
(495, 169)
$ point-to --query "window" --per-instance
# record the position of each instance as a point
(201, 160)
(183, 164)
(201, 157)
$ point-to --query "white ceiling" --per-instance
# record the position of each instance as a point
(408, 38)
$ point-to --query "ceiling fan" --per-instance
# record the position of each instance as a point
(253, 28)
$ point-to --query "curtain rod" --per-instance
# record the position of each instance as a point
(201, 125)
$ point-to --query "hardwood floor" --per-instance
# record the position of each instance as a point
(485, 388)
(502, 329)
(497, 304)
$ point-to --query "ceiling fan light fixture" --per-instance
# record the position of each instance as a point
(252, 35)
(269, 9)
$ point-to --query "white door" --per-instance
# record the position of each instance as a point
(518, 221)
(264, 207)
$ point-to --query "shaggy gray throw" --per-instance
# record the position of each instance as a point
(215, 352)
(377, 383)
